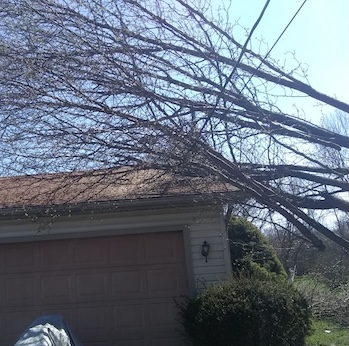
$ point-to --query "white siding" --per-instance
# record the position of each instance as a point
(217, 268)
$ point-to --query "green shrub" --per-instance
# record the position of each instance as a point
(250, 250)
(246, 311)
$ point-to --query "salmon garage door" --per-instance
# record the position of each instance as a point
(117, 290)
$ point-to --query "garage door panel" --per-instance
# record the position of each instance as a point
(92, 286)
(91, 254)
(159, 249)
(127, 250)
(20, 258)
(166, 280)
(163, 281)
(162, 315)
(128, 284)
(56, 255)
(130, 317)
(21, 290)
(94, 321)
(56, 289)
(163, 248)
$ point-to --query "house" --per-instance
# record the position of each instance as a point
(108, 250)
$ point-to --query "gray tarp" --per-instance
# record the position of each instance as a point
(48, 330)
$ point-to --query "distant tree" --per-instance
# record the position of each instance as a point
(330, 266)
(289, 246)
(99, 84)
(337, 122)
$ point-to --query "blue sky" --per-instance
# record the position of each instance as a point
(319, 36)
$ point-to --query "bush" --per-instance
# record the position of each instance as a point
(326, 301)
(246, 311)
(250, 251)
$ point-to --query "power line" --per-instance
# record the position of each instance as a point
(242, 51)
(240, 57)
(278, 39)
(236, 64)
(228, 79)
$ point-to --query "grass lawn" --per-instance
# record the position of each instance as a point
(328, 334)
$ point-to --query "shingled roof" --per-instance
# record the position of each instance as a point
(118, 186)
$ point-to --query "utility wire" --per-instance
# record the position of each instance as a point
(236, 65)
(242, 52)
(278, 39)
(239, 59)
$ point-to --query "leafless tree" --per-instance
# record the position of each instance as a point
(337, 122)
(96, 84)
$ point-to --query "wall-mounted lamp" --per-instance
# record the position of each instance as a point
(205, 249)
